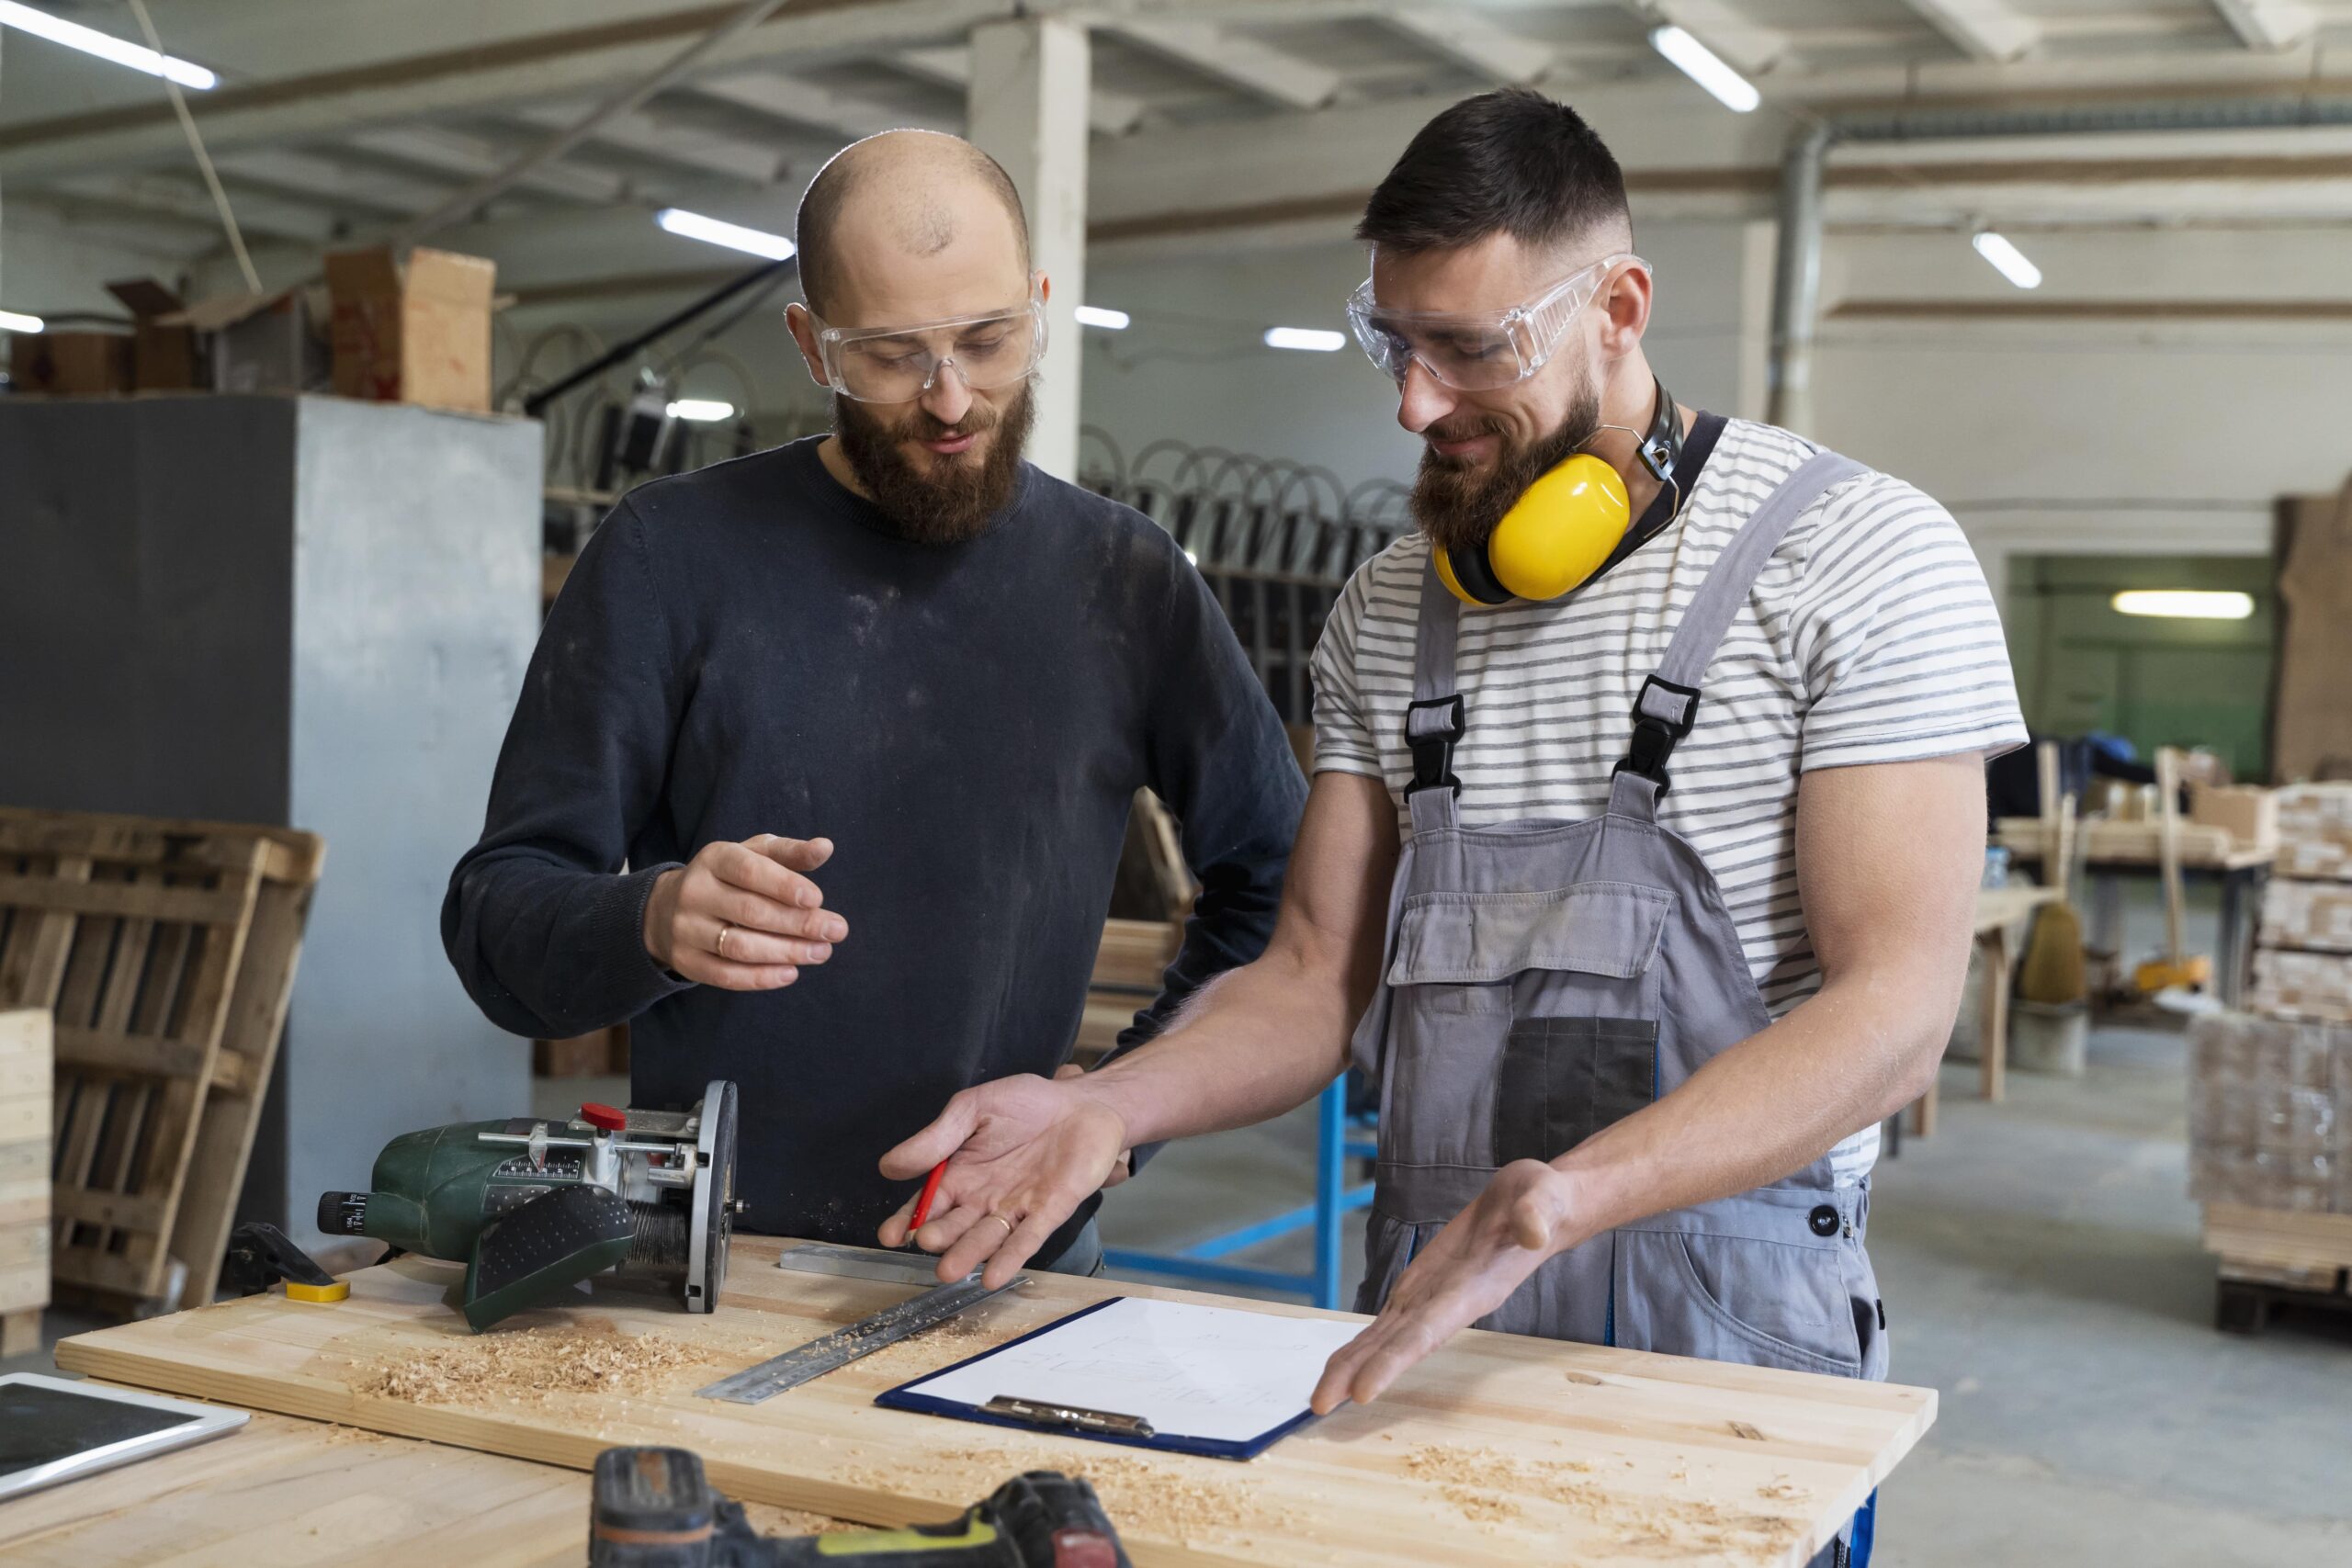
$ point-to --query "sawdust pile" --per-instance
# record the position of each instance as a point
(1164, 1496)
(497, 1368)
(941, 1345)
(1490, 1488)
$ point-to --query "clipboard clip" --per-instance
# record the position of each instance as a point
(1070, 1418)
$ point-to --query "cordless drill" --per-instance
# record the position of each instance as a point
(654, 1508)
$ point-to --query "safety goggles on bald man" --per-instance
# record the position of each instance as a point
(1478, 351)
(899, 363)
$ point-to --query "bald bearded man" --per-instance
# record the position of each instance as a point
(822, 766)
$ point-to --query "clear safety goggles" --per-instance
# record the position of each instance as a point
(897, 365)
(1476, 351)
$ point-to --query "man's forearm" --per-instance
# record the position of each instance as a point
(1853, 1054)
(1250, 1045)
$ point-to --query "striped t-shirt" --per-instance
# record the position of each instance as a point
(1868, 637)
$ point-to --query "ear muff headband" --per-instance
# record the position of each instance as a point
(1567, 524)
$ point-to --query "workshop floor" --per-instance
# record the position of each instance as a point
(2040, 1268)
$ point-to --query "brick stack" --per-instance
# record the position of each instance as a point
(2302, 968)
(25, 1066)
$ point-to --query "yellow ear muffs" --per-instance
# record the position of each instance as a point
(1554, 537)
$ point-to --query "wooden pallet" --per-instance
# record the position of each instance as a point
(2273, 1260)
(25, 1068)
(166, 950)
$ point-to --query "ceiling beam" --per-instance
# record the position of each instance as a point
(2268, 24)
(456, 152)
(338, 187)
(950, 65)
(1237, 60)
(186, 203)
(799, 103)
(1982, 29)
(688, 147)
(1476, 44)
(584, 62)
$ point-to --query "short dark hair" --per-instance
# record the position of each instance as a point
(1511, 161)
(846, 171)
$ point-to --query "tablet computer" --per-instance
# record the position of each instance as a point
(52, 1429)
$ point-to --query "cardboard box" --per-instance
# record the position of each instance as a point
(2315, 832)
(2314, 987)
(163, 358)
(69, 364)
(418, 334)
(2248, 812)
(258, 342)
(2312, 917)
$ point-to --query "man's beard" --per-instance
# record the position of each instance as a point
(957, 497)
(1458, 504)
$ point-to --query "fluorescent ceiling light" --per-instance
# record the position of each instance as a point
(702, 411)
(2007, 260)
(1313, 338)
(106, 45)
(1097, 316)
(11, 321)
(2184, 603)
(734, 236)
(1699, 63)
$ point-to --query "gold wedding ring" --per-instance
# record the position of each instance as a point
(724, 928)
(999, 1219)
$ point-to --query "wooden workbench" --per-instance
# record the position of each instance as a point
(286, 1493)
(1498, 1450)
(1998, 909)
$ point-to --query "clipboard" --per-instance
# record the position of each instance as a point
(1219, 1382)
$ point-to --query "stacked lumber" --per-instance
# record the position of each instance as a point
(24, 1178)
(2270, 1089)
(2303, 963)
(2105, 838)
(166, 951)
(1127, 969)
(602, 1053)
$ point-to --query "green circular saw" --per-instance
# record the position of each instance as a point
(534, 1208)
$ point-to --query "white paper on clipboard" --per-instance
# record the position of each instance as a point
(1213, 1373)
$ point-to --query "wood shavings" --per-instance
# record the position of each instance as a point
(532, 1363)
(1489, 1487)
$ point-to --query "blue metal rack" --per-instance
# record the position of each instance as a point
(1333, 1198)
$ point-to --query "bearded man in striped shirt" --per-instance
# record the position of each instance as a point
(1640, 860)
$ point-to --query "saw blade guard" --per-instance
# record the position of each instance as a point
(713, 1200)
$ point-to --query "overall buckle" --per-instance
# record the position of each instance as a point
(1432, 742)
(1663, 713)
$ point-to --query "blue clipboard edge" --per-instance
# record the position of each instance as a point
(903, 1397)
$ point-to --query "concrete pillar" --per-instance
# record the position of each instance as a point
(1027, 108)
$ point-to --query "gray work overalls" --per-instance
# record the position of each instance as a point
(1545, 979)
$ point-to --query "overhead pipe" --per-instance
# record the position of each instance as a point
(1797, 279)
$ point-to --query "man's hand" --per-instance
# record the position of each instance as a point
(1487, 1251)
(743, 917)
(1022, 1154)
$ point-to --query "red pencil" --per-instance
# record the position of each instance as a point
(922, 1205)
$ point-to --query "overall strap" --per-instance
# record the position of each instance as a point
(1668, 704)
(1433, 722)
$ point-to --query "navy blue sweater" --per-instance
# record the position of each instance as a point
(747, 649)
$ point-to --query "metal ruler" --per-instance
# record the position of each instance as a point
(842, 1347)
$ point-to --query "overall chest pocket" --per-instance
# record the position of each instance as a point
(1524, 1022)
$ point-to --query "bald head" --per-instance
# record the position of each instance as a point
(901, 198)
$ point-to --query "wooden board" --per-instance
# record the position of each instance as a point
(2136, 843)
(25, 1068)
(167, 951)
(283, 1491)
(2279, 1238)
(1499, 1450)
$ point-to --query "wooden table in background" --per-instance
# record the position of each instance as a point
(1997, 909)
(1498, 1450)
(285, 1492)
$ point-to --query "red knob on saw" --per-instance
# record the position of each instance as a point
(605, 1116)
